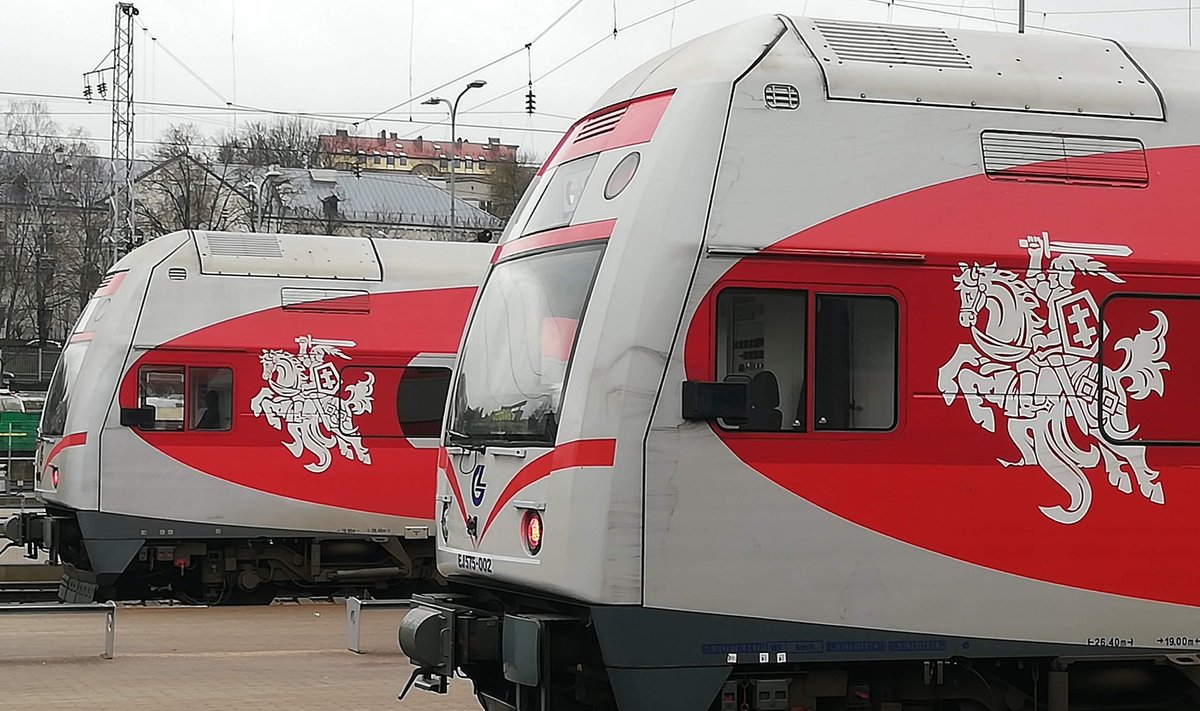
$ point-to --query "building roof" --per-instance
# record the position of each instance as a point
(378, 196)
(386, 144)
(28, 172)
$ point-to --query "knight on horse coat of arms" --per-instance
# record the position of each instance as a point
(1034, 360)
(304, 392)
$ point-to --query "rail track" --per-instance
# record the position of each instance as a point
(29, 582)
(28, 591)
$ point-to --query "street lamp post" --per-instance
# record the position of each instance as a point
(434, 101)
(257, 212)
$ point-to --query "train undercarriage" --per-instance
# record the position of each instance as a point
(536, 655)
(239, 566)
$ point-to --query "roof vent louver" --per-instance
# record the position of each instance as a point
(342, 301)
(177, 273)
(600, 125)
(781, 96)
(244, 245)
(891, 44)
(1057, 158)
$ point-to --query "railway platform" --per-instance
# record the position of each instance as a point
(290, 656)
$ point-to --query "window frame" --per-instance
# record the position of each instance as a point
(188, 404)
(813, 291)
(1100, 418)
(448, 372)
(186, 428)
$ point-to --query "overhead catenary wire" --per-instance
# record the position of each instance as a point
(335, 117)
(561, 65)
(1010, 23)
(414, 96)
(166, 50)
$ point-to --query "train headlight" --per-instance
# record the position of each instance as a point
(445, 522)
(532, 531)
(621, 175)
(54, 477)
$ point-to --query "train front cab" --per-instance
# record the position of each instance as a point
(166, 469)
(766, 474)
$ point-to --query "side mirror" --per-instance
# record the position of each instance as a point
(137, 416)
(729, 401)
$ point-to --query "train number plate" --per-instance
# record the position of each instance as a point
(474, 563)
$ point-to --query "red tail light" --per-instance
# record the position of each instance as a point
(531, 531)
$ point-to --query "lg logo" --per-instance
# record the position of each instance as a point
(478, 488)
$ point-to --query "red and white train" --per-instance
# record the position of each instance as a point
(235, 413)
(831, 365)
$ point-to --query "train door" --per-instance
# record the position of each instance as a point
(812, 353)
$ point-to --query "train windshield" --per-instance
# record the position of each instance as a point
(514, 362)
(58, 397)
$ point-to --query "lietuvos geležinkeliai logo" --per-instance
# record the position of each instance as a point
(1039, 373)
(304, 393)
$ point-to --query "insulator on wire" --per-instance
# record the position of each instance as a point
(102, 88)
(529, 102)
(87, 92)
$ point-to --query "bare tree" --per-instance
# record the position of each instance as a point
(289, 142)
(508, 181)
(39, 222)
(187, 188)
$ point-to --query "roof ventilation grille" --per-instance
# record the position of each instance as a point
(1057, 158)
(782, 96)
(244, 245)
(600, 125)
(342, 301)
(890, 44)
(177, 273)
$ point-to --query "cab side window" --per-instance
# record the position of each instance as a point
(767, 338)
(763, 335)
(187, 399)
(162, 388)
(855, 363)
(210, 398)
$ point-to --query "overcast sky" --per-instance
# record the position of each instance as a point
(348, 60)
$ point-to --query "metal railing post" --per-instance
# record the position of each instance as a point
(353, 626)
(110, 631)
(354, 613)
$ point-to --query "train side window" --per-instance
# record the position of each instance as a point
(762, 336)
(210, 399)
(421, 400)
(162, 387)
(854, 364)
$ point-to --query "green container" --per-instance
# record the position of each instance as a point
(18, 427)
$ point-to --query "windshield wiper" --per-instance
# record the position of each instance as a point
(460, 439)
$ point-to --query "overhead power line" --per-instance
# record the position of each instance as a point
(335, 117)
(599, 41)
(472, 72)
(965, 16)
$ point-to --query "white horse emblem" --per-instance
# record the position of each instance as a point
(304, 392)
(1040, 372)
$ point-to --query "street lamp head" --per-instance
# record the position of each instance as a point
(477, 84)
(432, 101)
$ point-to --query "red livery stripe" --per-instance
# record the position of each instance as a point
(581, 453)
(586, 232)
(75, 439)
